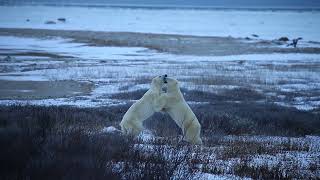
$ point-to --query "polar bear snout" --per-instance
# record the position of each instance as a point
(165, 78)
(171, 81)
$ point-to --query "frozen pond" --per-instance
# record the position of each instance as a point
(237, 23)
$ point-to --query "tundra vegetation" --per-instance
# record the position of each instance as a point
(240, 140)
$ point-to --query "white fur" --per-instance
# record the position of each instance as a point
(152, 101)
(181, 113)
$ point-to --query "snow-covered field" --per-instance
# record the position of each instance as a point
(228, 157)
(114, 70)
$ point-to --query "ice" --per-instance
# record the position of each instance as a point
(236, 23)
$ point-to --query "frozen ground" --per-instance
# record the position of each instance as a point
(240, 141)
(243, 23)
(112, 73)
(229, 157)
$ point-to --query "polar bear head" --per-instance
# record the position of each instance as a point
(172, 84)
(158, 82)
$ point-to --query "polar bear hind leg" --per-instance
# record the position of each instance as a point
(131, 128)
(192, 133)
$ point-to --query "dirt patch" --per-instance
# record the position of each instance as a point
(30, 90)
(35, 54)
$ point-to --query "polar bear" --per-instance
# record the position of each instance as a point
(181, 113)
(152, 101)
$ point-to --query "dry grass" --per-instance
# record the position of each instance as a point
(67, 143)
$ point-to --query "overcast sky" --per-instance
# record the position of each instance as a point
(224, 3)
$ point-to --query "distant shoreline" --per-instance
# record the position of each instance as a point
(165, 43)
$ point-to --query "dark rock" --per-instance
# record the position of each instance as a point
(313, 42)
(241, 62)
(264, 42)
(7, 58)
(27, 20)
(247, 38)
(254, 35)
(62, 19)
(283, 39)
(50, 22)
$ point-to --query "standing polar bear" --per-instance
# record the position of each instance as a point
(152, 101)
(181, 113)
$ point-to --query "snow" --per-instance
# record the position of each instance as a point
(236, 23)
(286, 155)
(110, 129)
(65, 47)
(146, 136)
(118, 70)
(19, 57)
(124, 69)
(81, 103)
(314, 143)
(17, 77)
(207, 176)
(122, 77)
(299, 87)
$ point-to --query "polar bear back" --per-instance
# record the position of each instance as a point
(142, 109)
(180, 112)
(177, 107)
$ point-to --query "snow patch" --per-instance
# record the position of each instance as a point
(146, 136)
(110, 129)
